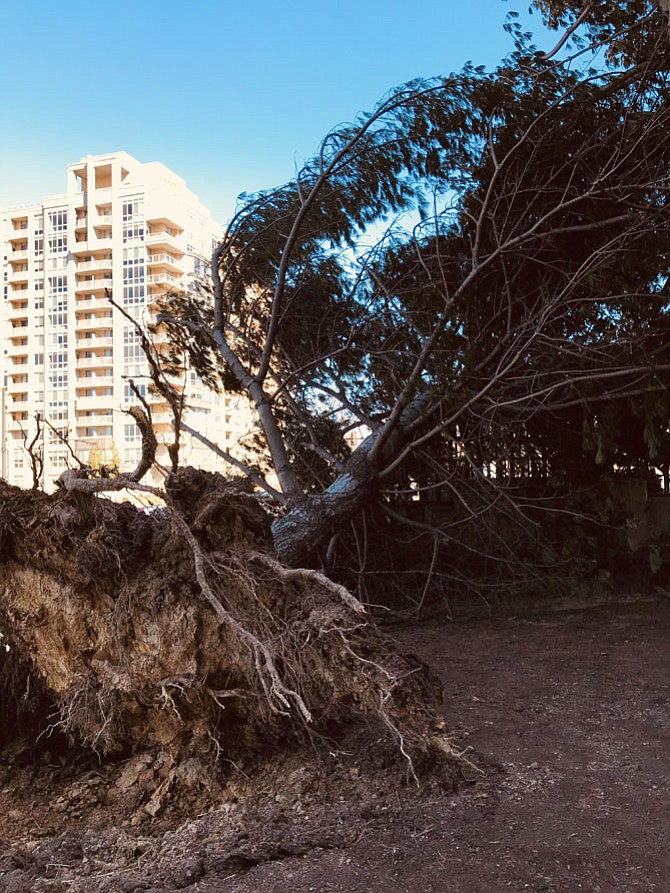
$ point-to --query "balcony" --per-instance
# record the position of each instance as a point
(18, 254)
(83, 443)
(16, 276)
(16, 351)
(164, 240)
(90, 285)
(103, 263)
(98, 404)
(96, 435)
(97, 421)
(164, 280)
(16, 419)
(164, 261)
(81, 222)
(91, 246)
(94, 342)
(94, 362)
(94, 324)
(166, 222)
(92, 302)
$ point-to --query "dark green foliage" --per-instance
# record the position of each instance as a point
(524, 310)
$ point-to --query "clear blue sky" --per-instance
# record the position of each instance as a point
(230, 95)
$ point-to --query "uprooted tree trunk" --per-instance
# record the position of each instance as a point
(181, 631)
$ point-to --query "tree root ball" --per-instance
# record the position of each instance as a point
(180, 631)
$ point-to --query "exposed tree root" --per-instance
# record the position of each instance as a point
(180, 631)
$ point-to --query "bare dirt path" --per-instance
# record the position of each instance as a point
(573, 712)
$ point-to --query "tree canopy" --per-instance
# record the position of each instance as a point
(512, 319)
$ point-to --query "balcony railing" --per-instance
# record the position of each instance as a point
(98, 402)
(169, 259)
(96, 322)
(162, 278)
(91, 302)
(91, 343)
(102, 264)
(162, 220)
(94, 362)
(84, 285)
(163, 238)
(91, 245)
(87, 420)
(14, 351)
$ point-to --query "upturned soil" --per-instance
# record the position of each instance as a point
(565, 718)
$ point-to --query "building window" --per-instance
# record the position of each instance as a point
(57, 360)
(57, 285)
(133, 232)
(133, 266)
(133, 209)
(134, 294)
(129, 395)
(57, 412)
(132, 434)
(133, 220)
(58, 221)
(131, 455)
(57, 319)
(58, 244)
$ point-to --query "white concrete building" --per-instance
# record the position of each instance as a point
(133, 229)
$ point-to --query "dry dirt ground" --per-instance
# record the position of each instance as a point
(568, 716)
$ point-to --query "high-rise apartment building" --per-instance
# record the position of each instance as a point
(126, 228)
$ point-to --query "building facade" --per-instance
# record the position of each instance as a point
(123, 228)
